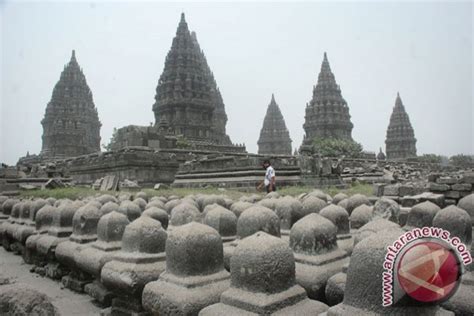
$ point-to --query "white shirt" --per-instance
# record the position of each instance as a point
(269, 174)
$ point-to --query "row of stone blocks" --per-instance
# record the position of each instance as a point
(451, 187)
(446, 190)
(188, 258)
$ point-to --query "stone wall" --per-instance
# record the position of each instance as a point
(143, 165)
(452, 186)
(441, 188)
(245, 171)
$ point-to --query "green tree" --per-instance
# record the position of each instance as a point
(333, 147)
(113, 139)
(429, 158)
(462, 160)
(182, 142)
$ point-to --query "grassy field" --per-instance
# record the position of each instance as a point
(78, 192)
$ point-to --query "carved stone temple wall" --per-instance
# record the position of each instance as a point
(400, 141)
(274, 136)
(327, 114)
(71, 125)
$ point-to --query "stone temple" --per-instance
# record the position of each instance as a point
(187, 100)
(274, 136)
(327, 114)
(400, 141)
(71, 125)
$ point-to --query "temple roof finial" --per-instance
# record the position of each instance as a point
(274, 136)
(325, 65)
(73, 56)
(182, 26)
(398, 101)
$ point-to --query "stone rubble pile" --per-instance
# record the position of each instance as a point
(210, 255)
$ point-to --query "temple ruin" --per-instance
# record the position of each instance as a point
(274, 136)
(71, 125)
(400, 141)
(327, 114)
(187, 100)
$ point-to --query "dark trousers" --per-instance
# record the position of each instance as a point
(267, 187)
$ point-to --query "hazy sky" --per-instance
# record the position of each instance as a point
(424, 50)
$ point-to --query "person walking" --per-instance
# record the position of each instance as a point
(269, 180)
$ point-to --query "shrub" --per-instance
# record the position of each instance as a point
(333, 147)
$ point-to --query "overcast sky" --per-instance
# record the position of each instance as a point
(424, 50)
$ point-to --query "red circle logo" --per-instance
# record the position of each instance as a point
(429, 272)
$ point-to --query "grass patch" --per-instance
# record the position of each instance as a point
(60, 193)
(356, 188)
(81, 192)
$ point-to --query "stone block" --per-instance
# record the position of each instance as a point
(54, 184)
(406, 190)
(465, 193)
(433, 177)
(392, 190)
(74, 284)
(161, 186)
(448, 202)
(436, 187)
(452, 195)
(462, 187)
(468, 178)
(393, 198)
(110, 183)
(447, 180)
(409, 201)
(56, 271)
(437, 199)
(99, 293)
(403, 216)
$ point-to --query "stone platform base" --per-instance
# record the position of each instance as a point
(99, 293)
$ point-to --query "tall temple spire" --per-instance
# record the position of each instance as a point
(400, 141)
(325, 67)
(187, 96)
(327, 114)
(274, 136)
(71, 125)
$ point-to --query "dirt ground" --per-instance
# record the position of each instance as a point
(67, 302)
